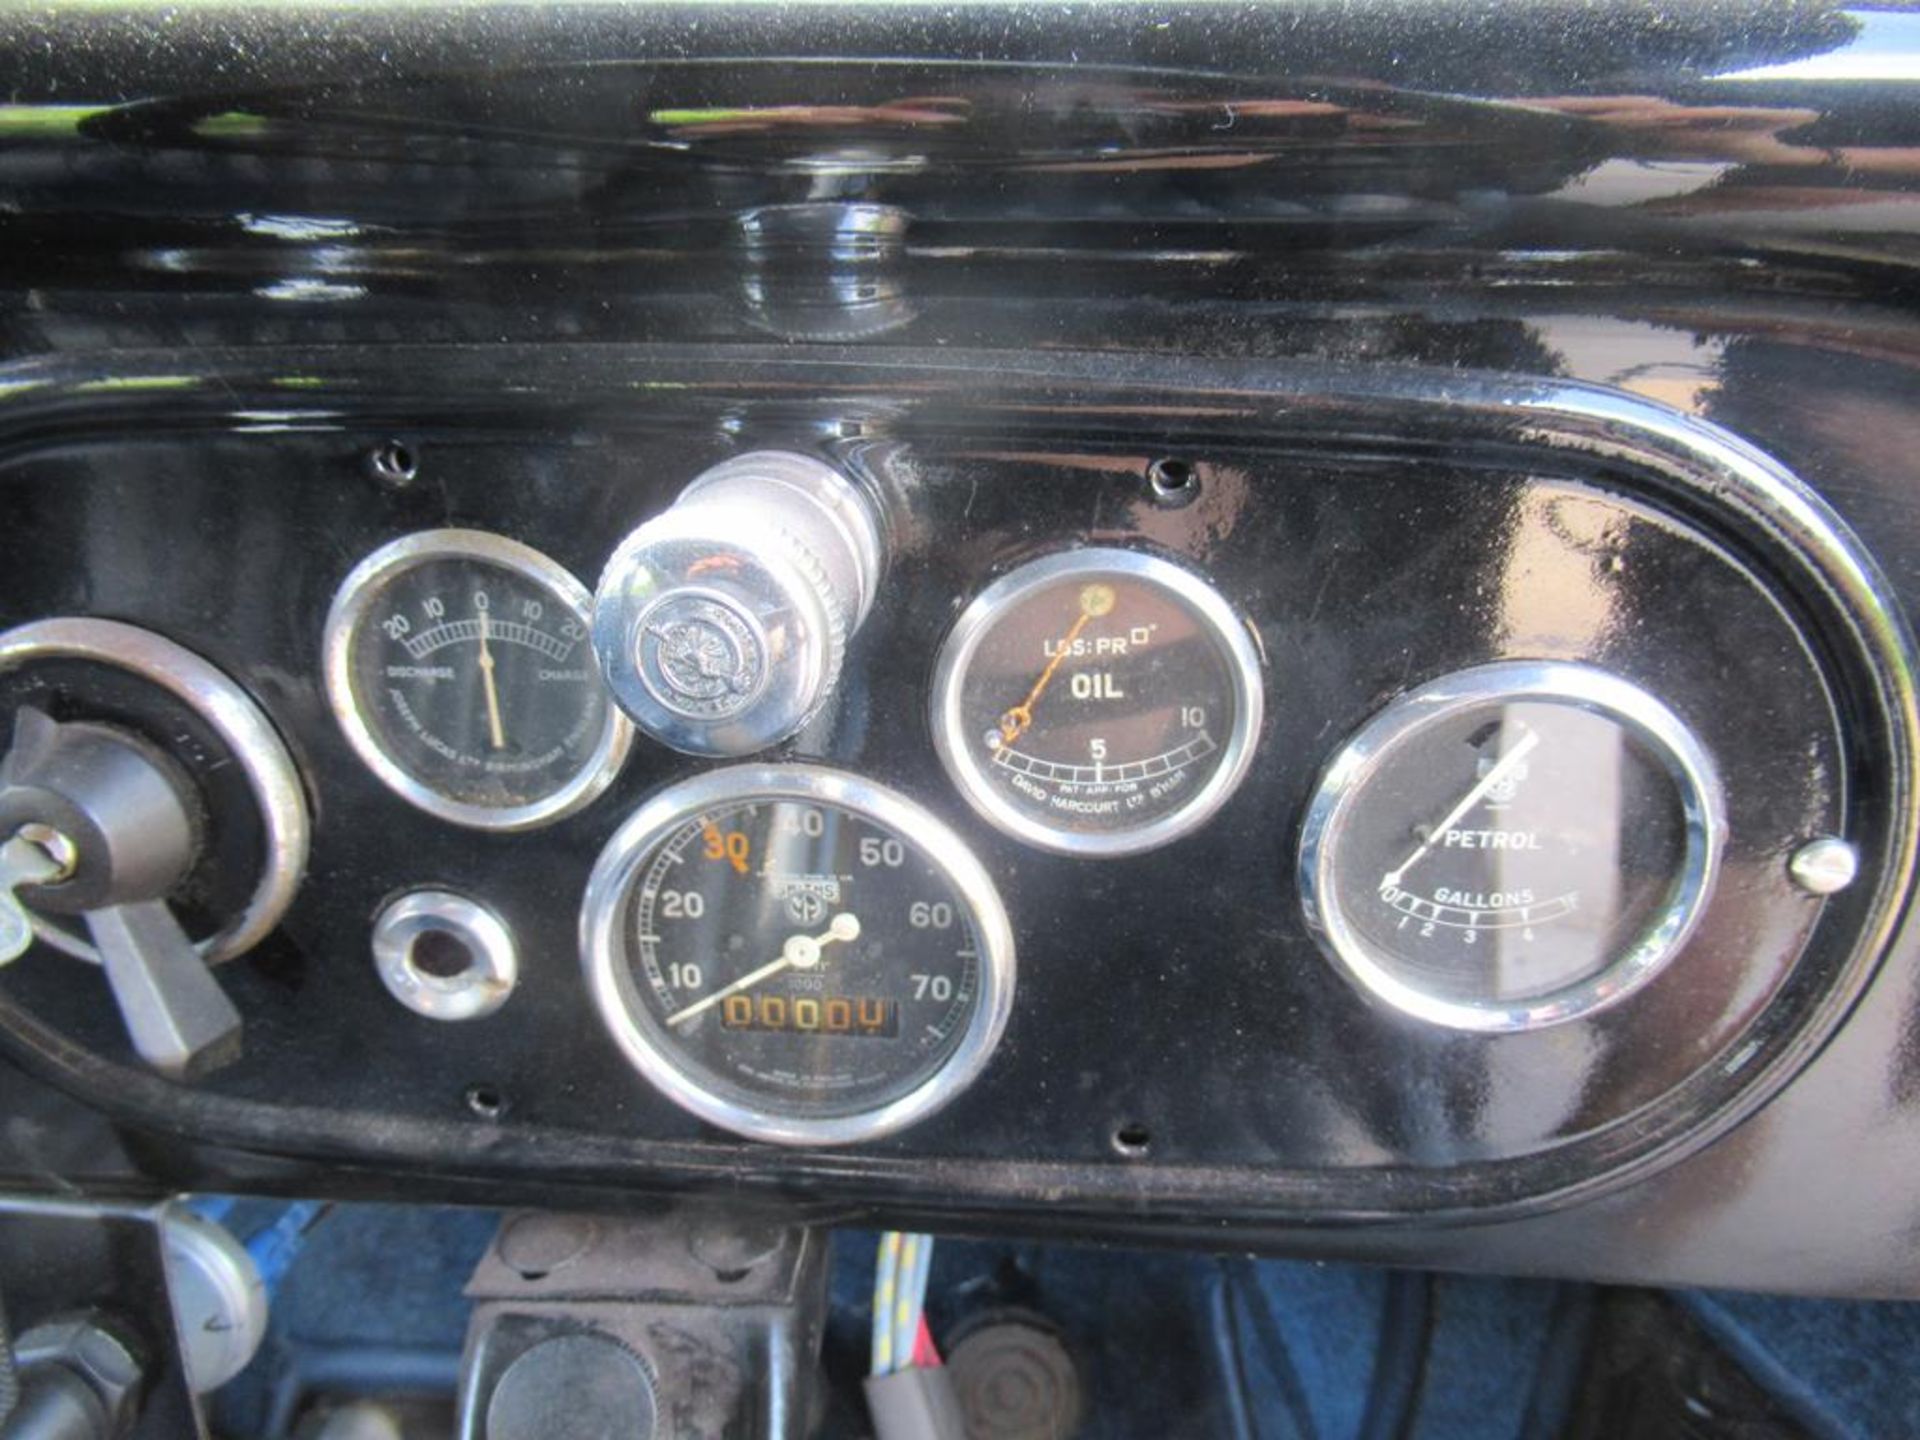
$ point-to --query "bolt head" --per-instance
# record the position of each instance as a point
(97, 1348)
(1825, 866)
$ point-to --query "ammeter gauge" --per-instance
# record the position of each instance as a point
(1097, 702)
(797, 954)
(458, 665)
(1512, 846)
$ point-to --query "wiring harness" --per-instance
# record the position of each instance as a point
(908, 1393)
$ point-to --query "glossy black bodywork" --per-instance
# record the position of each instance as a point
(1526, 190)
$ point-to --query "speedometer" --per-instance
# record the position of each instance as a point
(797, 954)
(1098, 702)
(458, 665)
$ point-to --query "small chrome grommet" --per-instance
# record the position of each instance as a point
(1825, 866)
(445, 956)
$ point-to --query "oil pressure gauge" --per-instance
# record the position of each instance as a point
(1512, 846)
(458, 665)
(1097, 702)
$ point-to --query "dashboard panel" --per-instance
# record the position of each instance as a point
(1502, 862)
(1177, 1033)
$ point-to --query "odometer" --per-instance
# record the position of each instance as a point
(797, 954)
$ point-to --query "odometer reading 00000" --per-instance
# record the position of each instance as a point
(797, 954)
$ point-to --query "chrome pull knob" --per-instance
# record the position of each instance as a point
(721, 625)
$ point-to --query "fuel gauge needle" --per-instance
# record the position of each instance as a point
(1473, 797)
(495, 729)
(801, 952)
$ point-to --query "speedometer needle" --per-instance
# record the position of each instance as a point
(1473, 797)
(801, 952)
(495, 728)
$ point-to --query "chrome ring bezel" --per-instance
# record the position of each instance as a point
(234, 716)
(355, 598)
(480, 990)
(1344, 781)
(1231, 637)
(603, 950)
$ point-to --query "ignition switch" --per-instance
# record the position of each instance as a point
(143, 797)
(109, 818)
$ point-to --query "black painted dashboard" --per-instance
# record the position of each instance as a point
(1386, 484)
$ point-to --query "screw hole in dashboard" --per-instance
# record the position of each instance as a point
(488, 1102)
(1132, 1140)
(1175, 483)
(394, 464)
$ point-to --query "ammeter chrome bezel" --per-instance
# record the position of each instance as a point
(362, 589)
(1345, 781)
(603, 950)
(1230, 634)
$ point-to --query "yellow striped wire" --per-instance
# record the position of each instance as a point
(885, 1285)
(907, 1301)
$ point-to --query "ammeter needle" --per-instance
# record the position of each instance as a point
(498, 731)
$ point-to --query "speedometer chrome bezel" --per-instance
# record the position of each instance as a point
(1230, 634)
(354, 600)
(603, 950)
(1345, 781)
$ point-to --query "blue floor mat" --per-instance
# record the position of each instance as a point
(1169, 1345)
(1844, 1369)
(365, 1299)
(1173, 1345)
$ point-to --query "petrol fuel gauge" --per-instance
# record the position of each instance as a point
(1512, 846)
(1098, 702)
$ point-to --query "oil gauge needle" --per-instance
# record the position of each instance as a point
(495, 729)
(801, 952)
(1473, 797)
(1095, 601)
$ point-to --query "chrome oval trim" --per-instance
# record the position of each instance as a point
(356, 596)
(233, 715)
(1344, 782)
(608, 974)
(1639, 446)
(1230, 635)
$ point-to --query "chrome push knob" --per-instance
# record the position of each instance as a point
(721, 624)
